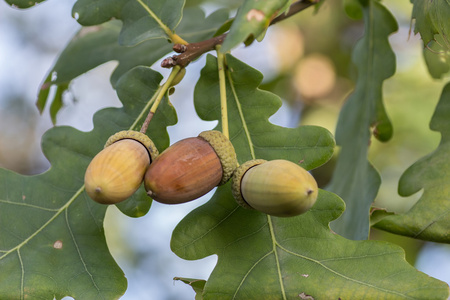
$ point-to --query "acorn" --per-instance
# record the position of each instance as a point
(278, 187)
(117, 171)
(191, 168)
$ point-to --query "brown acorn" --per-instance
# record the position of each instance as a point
(278, 187)
(191, 168)
(117, 171)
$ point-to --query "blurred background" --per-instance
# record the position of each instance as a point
(305, 60)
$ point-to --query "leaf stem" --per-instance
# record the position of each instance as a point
(175, 38)
(223, 91)
(159, 95)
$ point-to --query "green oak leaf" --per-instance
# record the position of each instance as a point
(263, 257)
(429, 218)
(147, 19)
(197, 285)
(376, 214)
(437, 57)
(23, 3)
(89, 48)
(249, 108)
(355, 179)
(95, 45)
(423, 22)
(57, 104)
(89, 13)
(440, 15)
(353, 8)
(252, 20)
(431, 18)
(142, 19)
(196, 27)
(432, 23)
(52, 241)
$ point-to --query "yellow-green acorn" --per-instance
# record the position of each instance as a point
(117, 171)
(191, 168)
(278, 187)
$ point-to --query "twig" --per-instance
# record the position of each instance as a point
(192, 51)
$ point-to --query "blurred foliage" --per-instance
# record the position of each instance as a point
(410, 109)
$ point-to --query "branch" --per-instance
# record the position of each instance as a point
(192, 51)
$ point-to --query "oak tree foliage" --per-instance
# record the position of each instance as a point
(52, 241)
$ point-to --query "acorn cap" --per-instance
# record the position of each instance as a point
(224, 150)
(237, 179)
(137, 136)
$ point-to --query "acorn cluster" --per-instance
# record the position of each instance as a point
(192, 167)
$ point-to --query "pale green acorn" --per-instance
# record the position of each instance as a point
(117, 171)
(279, 187)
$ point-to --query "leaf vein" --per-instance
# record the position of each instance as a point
(64, 207)
(246, 236)
(22, 275)
(99, 226)
(28, 205)
(241, 115)
(342, 275)
(359, 257)
(277, 260)
(208, 231)
(431, 223)
(79, 252)
(249, 271)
